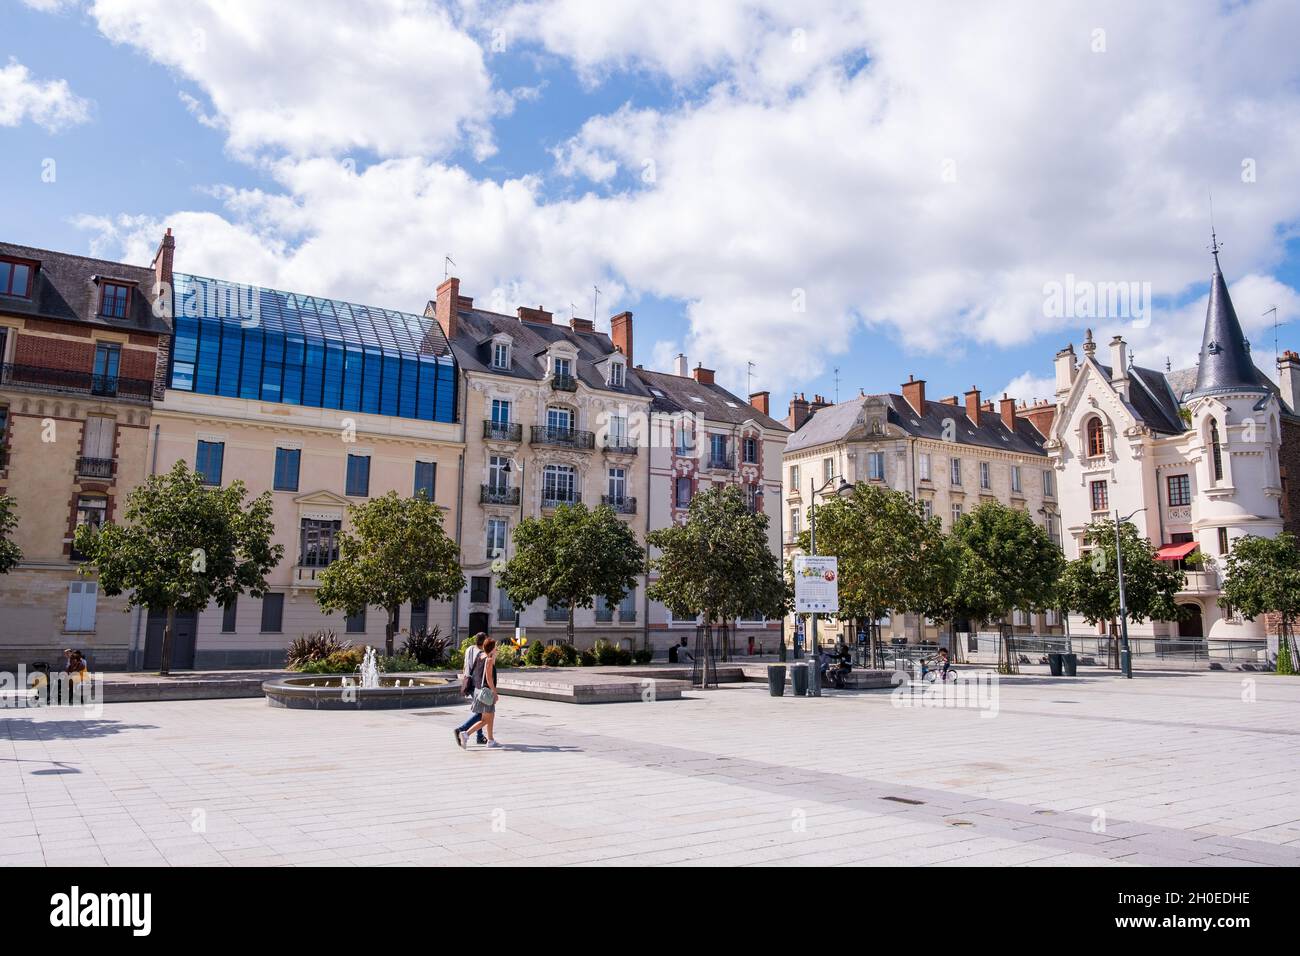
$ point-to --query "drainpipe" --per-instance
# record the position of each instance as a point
(649, 483)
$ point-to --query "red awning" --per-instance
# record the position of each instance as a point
(1175, 552)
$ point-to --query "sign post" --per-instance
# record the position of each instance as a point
(816, 591)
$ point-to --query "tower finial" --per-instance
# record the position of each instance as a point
(1214, 239)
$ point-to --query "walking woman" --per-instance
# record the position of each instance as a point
(485, 697)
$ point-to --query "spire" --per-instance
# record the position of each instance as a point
(1225, 364)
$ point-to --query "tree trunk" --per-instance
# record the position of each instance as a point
(390, 628)
(165, 662)
(569, 625)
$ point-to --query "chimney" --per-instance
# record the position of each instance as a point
(950, 400)
(1041, 415)
(620, 333)
(914, 393)
(447, 306)
(1118, 359)
(1288, 379)
(798, 412)
(759, 401)
(973, 405)
(679, 365)
(703, 375)
(1007, 409)
(162, 259)
(539, 316)
(581, 325)
(1065, 369)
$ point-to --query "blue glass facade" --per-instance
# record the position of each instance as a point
(249, 342)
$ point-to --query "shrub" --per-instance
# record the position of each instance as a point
(426, 646)
(607, 654)
(536, 654)
(569, 653)
(624, 657)
(643, 656)
(306, 648)
(554, 655)
(344, 661)
(1284, 663)
(399, 663)
(456, 659)
(587, 659)
(507, 656)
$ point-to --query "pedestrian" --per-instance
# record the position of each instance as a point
(485, 698)
(472, 679)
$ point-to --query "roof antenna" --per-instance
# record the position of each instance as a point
(446, 267)
(837, 385)
(1273, 309)
(595, 297)
(749, 377)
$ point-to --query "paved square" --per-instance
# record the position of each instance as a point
(1165, 769)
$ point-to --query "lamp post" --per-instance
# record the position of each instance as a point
(1125, 656)
(843, 488)
(507, 469)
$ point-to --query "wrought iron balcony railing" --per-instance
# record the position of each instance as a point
(721, 462)
(497, 495)
(618, 445)
(95, 467)
(622, 504)
(555, 498)
(502, 431)
(83, 383)
(564, 437)
(564, 383)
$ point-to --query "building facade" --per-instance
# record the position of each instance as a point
(1198, 457)
(82, 349)
(949, 456)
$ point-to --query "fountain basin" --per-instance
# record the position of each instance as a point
(328, 692)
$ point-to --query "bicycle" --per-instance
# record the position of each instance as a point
(946, 674)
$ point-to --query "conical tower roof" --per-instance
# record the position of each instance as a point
(1225, 364)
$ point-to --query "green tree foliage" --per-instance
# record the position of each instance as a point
(10, 553)
(1090, 583)
(718, 563)
(183, 546)
(1263, 577)
(1001, 561)
(572, 556)
(394, 550)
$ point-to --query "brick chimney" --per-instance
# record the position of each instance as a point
(1041, 415)
(703, 375)
(914, 393)
(538, 316)
(581, 325)
(446, 306)
(620, 333)
(950, 400)
(798, 412)
(1288, 379)
(973, 405)
(162, 259)
(759, 401)
(1007, 410)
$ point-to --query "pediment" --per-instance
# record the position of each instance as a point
(321, 499)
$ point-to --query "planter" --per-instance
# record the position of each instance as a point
(1054, 663)
(776, 680)
(799, 678)
(1070, 664)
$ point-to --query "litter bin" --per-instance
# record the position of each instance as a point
(1054, 663)
(1070, 664)
(799, 677)
(776, 680)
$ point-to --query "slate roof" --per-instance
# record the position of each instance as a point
(63, 289)
(844, 421)
(1225, 364)
(677, 393)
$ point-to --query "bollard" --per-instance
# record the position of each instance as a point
(776, 680)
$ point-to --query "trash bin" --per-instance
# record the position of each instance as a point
(776, 680)
(1054, 663)
(799, 677)
(1070, 664)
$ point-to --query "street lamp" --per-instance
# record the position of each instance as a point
(519, 631)
(842, 489)
(1125, 656)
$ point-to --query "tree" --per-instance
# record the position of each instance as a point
(719, 563)
(890, 554)
(1090, 583)
(183, 546)
(10, 553)
(1002, 561)
(1263, 577)
(394, 550)
(570, 557)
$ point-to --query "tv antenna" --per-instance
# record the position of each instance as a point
(446, 267)
(749, 378)
(837, 385)
(595, 297)
(1273, 310)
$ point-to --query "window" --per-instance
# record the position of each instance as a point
(1216, 452)
(92, 510)
(876, 465)
(617, 485)
(718, 450)
(986, 478)
(1100, 497)
(927, 508)
(500, 355)
(496, 537)
(272, 613)
(616, 434)
(356, 623)
(616, 374)
(562, 368)
(627, 607)
(1015, 478)
(419, 615)
(559, 421)
(1096, 438)
(228, 616)
(684, 443)
(557, 611)
(923, 466)
(480, 589)
(287, 461)
(15, 278)
(794, 523)
(1223, 541)
(604, 610)
(320, 544)
(114, 299)
(955, 471)
(82, 596)
(107, 359)
(358, 478)
(207, 461)
(956, 512)
(425, 479)
(505, 607)
(750, 451)
(683, 493)
(1049, 484)
(559, 485)
(97, 438)
(500, 411)
(1180, 490)
(498, 474)
(828, 469)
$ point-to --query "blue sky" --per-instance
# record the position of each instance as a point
(914, 182)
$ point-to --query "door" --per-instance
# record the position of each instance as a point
(182, 640)
(1191, 628)
(479, 621)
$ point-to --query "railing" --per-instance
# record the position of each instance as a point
(495, 495)
(622, 504)
(618, 445)
(721, 462)
(553, 499)
(95, 467)
(1205, 579)
(565, 437)
(4, 459)
(564, 383)
(502, 431)
(1102, 651)
(85, 383)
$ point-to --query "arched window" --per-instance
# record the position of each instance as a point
(1216, 452)
(1096, 438)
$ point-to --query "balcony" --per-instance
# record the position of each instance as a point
(1201, 582)
(562, 437)
(553, 498)
(618, 445)
(4, 459)
(564, 383)
(496, 495)
(721, 463)
(40, 378)
(95, 467)
(622, 504)
(502, 431)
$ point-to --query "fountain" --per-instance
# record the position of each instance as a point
(367, 690)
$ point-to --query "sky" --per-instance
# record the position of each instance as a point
(842, 194)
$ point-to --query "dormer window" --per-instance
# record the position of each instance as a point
(114, 299)
(562, 368)
(16, 278)
(616, 371)
(501, 355)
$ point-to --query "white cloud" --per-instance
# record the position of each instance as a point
(50, 104)
(1027, 387)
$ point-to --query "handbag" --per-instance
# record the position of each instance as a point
(484, 696)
